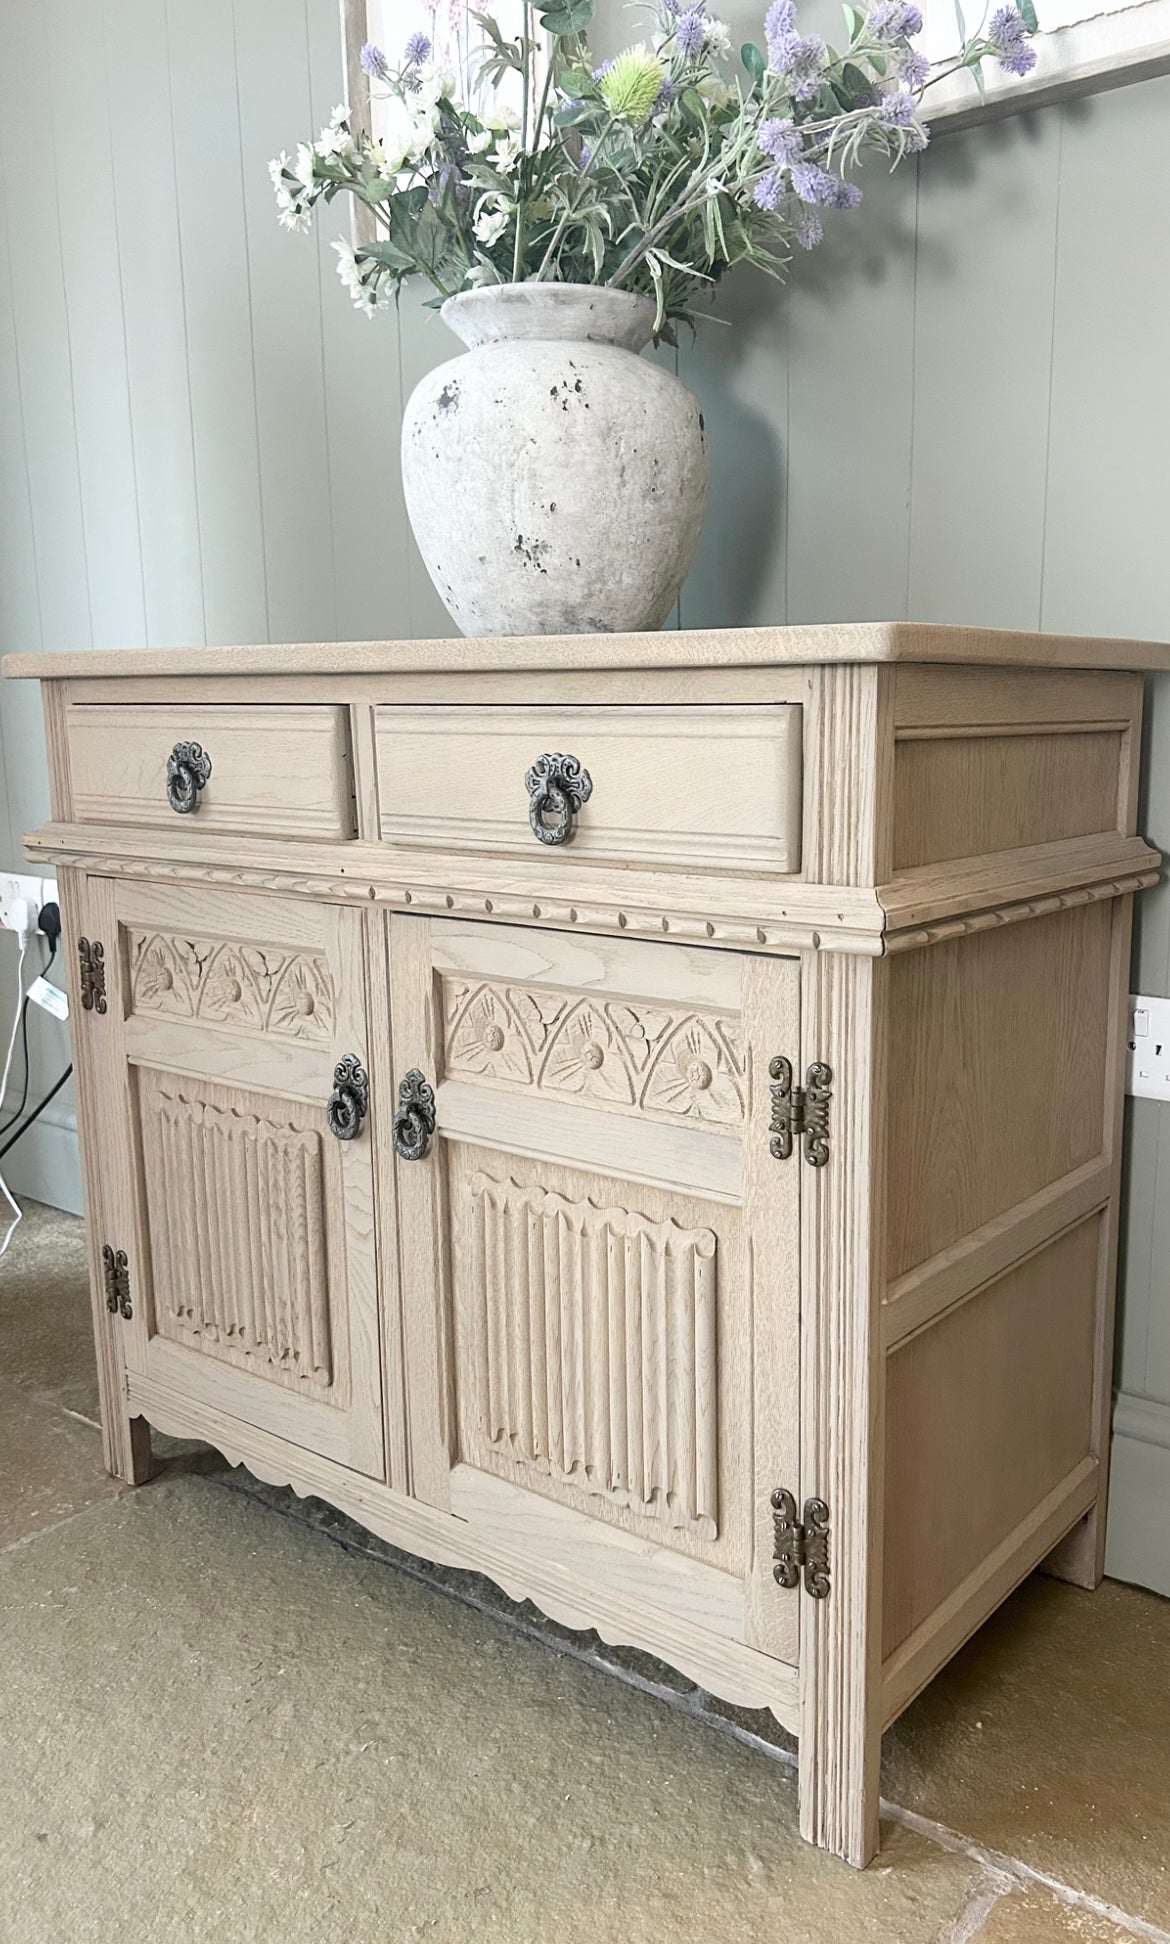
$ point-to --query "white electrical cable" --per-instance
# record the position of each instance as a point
(13, 1204)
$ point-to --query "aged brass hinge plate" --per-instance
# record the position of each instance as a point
(116, 1276)
(800, 1113)
(92, 960)
(801, 1546)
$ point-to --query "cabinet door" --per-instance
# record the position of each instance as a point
(599, 1259)
(249, 1228)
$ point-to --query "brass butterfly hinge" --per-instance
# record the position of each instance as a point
(92, 961)
(801, 1545)
(116, 1276)
(800, 1113)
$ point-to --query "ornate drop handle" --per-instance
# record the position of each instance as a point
(349, 1103)
(557, 787)
(188, 768)
(414, 1123)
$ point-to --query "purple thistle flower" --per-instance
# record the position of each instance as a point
(897, 109)
(1008, 37)
(781, 139)
(816, 185)
(598, 72)
(689, 32)
(417, 49)
(779, 27)
(800, 61)
(912, 67)
(917, 137)
(809, 230)
(894, 20)
(374, 62)
(770, 190)
(666, 94)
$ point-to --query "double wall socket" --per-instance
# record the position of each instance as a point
(1149, 1047)
(36, 891)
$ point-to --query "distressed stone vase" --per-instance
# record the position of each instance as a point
(555, 480)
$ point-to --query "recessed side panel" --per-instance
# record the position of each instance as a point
(989, 1410)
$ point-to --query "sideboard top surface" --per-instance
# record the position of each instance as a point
(851, 641)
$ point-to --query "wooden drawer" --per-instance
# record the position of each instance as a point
(276, 771)
(706, 787)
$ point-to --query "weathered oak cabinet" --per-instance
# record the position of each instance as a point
(635, 1116)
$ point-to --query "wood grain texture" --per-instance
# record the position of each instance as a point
(844, 1005)
(85, 908)
(966, 796)
(1013, 1017)
(968, 1461)
(592, 1359)
(276, 772)
(845, 642)
(253, 1252)
(716, 786)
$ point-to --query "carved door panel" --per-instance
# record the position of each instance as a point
(599, 1258)
(249, 1229)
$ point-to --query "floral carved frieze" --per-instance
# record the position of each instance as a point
(288, 994)
(617, 1052)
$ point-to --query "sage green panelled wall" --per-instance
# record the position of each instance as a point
(959, 410)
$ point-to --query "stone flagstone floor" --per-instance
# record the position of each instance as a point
(228, 1714)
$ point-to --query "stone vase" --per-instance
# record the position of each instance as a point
(556, 481)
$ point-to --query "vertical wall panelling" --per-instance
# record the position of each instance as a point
(363, 408)
(284, 272)
(850, 378)
(78, 118)
(982, 345)
(213, 238)
(138, 80)
(737, 368)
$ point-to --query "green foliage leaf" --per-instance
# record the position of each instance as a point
(1027, 14)
(574, 113)
(854, 20)
(576, 81)
(753, 61)
(853, 89)
(567, 17)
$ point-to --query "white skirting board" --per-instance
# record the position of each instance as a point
(45, 1164)
(1138, 1545)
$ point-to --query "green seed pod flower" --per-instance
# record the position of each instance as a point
(632, 84)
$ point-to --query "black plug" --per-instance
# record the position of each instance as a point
(49, 922)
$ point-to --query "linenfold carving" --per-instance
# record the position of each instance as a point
(236, 1206)
(288, 994)
(594, 1348)
(613, 1051)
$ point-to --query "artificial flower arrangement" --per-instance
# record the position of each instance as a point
(652, 173)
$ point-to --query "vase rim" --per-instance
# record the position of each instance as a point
(505, 313)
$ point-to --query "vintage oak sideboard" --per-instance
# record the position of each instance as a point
(635, 1116)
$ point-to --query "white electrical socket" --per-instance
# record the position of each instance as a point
(1149, 1047)
(36, 891)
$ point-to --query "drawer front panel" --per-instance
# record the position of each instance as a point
(716, 788)
(275, 771)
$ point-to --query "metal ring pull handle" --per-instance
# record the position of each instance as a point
(349, 1103)
(557, 787)
(188, 768)
(414, 1123)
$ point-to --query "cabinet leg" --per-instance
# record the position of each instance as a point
(125, 1439)
(840, 1798)
(1080, 1556)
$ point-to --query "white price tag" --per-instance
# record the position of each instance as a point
(50, 997)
